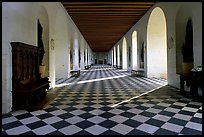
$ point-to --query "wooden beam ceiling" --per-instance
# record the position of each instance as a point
(104, 23)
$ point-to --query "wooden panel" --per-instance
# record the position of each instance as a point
(104, 23)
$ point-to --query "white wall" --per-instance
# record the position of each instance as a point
(170, 10)
(61, 45)
(19, 24)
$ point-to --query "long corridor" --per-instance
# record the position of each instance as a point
(108, 101)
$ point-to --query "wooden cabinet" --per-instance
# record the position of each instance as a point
(28, 88)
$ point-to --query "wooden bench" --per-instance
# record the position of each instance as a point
(75, 73)
(119, 67)
(87, 67)
(139, 72)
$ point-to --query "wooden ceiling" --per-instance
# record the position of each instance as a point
(103, 24)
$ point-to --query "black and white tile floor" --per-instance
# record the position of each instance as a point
(107, 101)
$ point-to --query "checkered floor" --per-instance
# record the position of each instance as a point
(107, 101)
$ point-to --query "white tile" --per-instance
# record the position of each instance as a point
(190, 109)
(153, 110)
(44, 130)
(70, 130)
(147, 128)
(135, 111)
(80, 106)
(122, 129)
(194, 125)
(38, 112)
(140, 118)
(174, 110)
(29, 120)
(74, 120)
(131, 105)
(9, 120)
(96, 129)
(96, 119)
(118, 119)
(164, 104)
(97, 112)
(172, 127)
(116, 111)
(78, 112)
(196, 103)
(198, 115)
(180, 104)
(51, 120)
(162, 117)
(58, 112)
(18, 130)
(18, 112)
(182, 117)
(147, 105)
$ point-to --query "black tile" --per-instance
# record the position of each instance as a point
(155, 122)
(51, 109)
(108, 124)
(23, 116)
(28, 133)
(105, 108)
(36, 124)
(189, 131)
(178, 121)
(3, 133)
(44, 116)
(84, 124)
(110, 132)
(87, 109)
(86, 115)
(69, 109)
(159, 107)
(176, 106)
(193, 106)
(200, 111)
(127, 114)
(196, 120)
(60, 124)
(167, 113)
(132, 123)
(106, 115)
(186, 112)
(105, 103)
(147, 114)
(141, 107)
(83, 132)
(124, 108)
(137, 132)
(55, 133)
(6, 115)
(66, 115)
(164, 132)
(12, 125)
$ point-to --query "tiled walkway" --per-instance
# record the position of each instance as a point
(107, 101)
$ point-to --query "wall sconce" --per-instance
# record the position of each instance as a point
(52, 44)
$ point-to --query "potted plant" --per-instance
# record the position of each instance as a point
(187, 49)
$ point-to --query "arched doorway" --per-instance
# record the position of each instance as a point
(124, 54)
(156, 45)
(134, 50)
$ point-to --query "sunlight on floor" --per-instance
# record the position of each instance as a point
(114, 105)
(88, 81)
